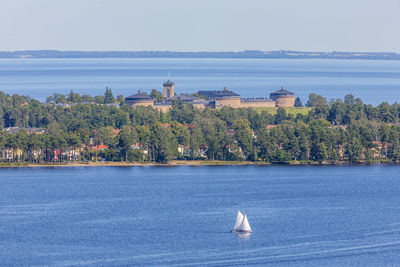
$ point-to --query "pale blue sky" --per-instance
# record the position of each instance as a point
(200, 25)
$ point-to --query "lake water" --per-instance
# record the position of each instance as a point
(374, 81)
(181, 216)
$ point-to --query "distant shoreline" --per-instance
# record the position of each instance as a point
(189, 163)
(251, 54)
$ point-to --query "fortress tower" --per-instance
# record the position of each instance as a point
(283, 98)
(139, 99)
(169, 89)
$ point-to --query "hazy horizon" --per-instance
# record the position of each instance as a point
(205, 51)
(193, 26)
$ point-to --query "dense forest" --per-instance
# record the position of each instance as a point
(85, 128)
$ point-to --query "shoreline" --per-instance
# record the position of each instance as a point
(188, 163)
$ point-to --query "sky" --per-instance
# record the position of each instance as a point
(200, 25)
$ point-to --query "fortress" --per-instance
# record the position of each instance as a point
(216, 99)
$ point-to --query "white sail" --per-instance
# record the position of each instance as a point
(245, 226)
(239, 220)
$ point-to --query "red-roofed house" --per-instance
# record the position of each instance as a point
(100, 147)
(270, 126)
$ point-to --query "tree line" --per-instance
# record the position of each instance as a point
(333, 131)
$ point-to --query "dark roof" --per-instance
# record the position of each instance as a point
(223, 93)
(184, 97)
(168, 83)
(282, 92)
(138, 96)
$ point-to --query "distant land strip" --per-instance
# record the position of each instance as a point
(171, 54)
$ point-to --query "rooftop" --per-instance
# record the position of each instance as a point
(168, 83)
(223, 93)
(139, 95)
(282, 92)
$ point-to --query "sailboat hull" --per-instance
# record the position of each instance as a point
(241, 231)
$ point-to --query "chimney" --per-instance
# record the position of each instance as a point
(224, 88)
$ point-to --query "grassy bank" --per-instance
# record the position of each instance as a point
(294, 111)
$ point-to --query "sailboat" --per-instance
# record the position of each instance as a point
(242, 224)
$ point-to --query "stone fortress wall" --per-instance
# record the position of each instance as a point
(233, 102)
(257, 103)
(143, 103)
(217, 99)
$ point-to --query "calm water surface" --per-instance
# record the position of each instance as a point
(180, 216)
(374, 81)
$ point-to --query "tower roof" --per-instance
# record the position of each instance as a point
(282, 92)
(138, 96)
(168, 83)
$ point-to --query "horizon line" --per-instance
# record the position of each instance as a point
(200, 51)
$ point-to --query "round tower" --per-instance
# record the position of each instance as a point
(283, 98)
(139, 99)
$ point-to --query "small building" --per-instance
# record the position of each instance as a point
(283, 98)
(184, 150)
(139, 99)
(137, 146)
(380, 149)
(100, 147)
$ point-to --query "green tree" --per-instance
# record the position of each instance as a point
(108, 96)
(127, 136)
(59, 98)
(121, 99)
(99, 99)
(106, 136)
(87, 98)
(244, 137)
(298, 102)
(280, 115)
(74, 98)
(316, 100)
(354, 150)
(164, 145)
(157, 95)
(349, 99)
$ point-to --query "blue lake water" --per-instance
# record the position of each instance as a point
(181, 216)
(374, 81)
